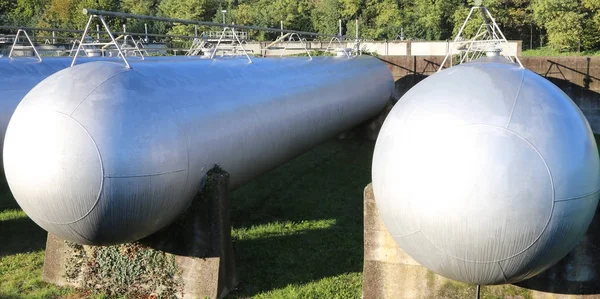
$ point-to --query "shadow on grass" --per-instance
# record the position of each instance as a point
(325, 184)
(7, 201)
(271, 263)
(20, 235)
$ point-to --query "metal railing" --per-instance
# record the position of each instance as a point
(488, 38)
(215, 35)
(6, 39)
(230, 33)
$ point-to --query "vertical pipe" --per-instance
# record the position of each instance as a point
(356, 38)
(340, 27)
(146, 31)
(97, 32)
(196, 30)
(53, 38)
(281, 24)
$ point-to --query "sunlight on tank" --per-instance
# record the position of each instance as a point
(119, 155)
(486, 173)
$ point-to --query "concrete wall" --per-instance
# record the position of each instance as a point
(578, 77)
(388, 272)
(386, 48)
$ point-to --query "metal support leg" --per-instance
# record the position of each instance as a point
(87, 27)
(30, 42)
(212, 55)
(241, 46)
(114, 41)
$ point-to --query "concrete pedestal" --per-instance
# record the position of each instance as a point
(198, 247)
(390, 273)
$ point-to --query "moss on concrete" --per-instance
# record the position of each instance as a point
(507, 291)
(455, 290)
(124, 270)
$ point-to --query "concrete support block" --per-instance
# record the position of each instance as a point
(198, 245)
(390, 273)
(55, 262)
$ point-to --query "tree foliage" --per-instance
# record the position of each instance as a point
(561, 24)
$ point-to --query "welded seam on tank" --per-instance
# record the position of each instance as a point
(94, 89)
(80, 235)
(551, 209)
(503, 274)
(101, 173)
(142, 175)
(578, 196)
(512, 110)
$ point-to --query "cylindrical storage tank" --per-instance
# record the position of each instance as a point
(486, 173)
(120, 155)
(20, 75)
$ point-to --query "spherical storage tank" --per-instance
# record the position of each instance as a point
(120, 155)
(486, 173)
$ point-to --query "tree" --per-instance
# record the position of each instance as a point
(381, 19)
(325, 16)
(24, 12)
(141, 7)
(68, 14)
(562, 20)
(591, 24)
(266, 13)
(200, 10)
(6, 7)
(431, 19)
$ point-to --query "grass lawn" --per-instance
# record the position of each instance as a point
(297, 231)
(552, 52)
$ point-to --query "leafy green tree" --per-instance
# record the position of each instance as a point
(430, 19)
(563, 21)
(351, 9)
(200, 10)
(325, 16)
(24, 12)
(381, 19)
(6, 7)
(142, 7)
(568, 24)
(266, 13)
(68, 14)
(591, 24)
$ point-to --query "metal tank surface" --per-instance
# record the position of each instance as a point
(486, 173)
(120, 155)
(19, 76)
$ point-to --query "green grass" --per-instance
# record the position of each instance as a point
(297, 231)
(21, 277)
(553, 52)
